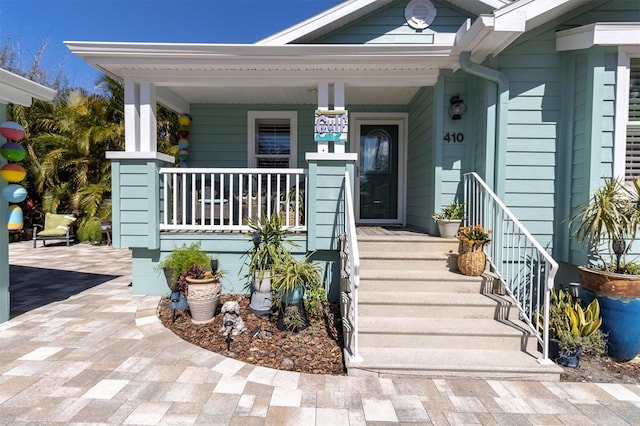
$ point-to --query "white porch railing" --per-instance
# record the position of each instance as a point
(522, 264)
(221, 199)
(349, 276)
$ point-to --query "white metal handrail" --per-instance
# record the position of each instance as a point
(194, 199)
(350, 275)
(525, 268)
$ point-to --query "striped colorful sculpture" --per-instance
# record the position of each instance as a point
(13, 173)
(184, 120)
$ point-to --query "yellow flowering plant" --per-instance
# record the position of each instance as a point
(474, 236)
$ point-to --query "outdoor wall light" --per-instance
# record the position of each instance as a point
(457, 107)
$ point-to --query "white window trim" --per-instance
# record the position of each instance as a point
(625, 53)
(252, 116)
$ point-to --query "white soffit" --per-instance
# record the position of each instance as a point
(19, 90)
(599, 34)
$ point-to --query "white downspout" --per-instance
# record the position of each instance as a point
(502, 110)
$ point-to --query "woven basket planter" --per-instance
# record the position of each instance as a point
(471, 260)
(289, 215)
(203, 297)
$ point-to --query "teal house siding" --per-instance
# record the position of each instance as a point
(218, 136)
(534, 122)
(388, 26)
(136, 218)
(453, 153)
(4, 240)
(218, 133)
(593, 76)
(420, 160)
(325, 218)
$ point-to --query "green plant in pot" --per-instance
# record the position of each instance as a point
(268, 251)
(290, 210)
(294, 280)
(573, 330)
(449, 219)
(608, 223)
(175, 265)
(180, 260)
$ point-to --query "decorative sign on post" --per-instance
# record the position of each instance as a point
(331, 125)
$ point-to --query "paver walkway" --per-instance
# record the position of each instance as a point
(80, 349)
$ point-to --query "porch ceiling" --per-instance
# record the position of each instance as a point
(207, 73)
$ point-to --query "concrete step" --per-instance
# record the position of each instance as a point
(439, 274)
(408, 244)
(443, 363)
(426, 285)
(434, 305)
(396, 261)
(395, 332)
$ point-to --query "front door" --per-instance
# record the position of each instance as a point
(379, 190)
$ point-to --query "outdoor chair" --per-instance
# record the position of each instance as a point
(56, 227)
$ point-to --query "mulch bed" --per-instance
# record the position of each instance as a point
(316, 349)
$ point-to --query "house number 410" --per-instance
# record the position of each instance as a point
(454, 137)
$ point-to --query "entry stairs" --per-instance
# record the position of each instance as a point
(419, 316)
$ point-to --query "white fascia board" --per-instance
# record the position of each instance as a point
(171, 100)
(135, 53)
(469, 37)
(316, 22)
(599, 34)
(11, 95)
(13, 83)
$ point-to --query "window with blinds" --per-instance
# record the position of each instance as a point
(632, 168)
(273, 143)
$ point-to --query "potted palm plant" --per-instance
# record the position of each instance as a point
(608, 223)
(268, 250)
(449, 219)
(294, 279)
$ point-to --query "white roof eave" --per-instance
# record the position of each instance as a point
(19, 90)
(216, 57)
(599, 34)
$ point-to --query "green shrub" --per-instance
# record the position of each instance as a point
(90, 230)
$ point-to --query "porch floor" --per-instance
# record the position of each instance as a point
(360, 230)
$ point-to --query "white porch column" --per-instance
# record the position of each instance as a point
(131, 116)
(338, 104)
(148, 121)
(140, 133)
(336, 110)
(323, 104)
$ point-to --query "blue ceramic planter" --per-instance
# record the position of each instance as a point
(621, 320)
(177, 301)
(619, 298)
(294, 297)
